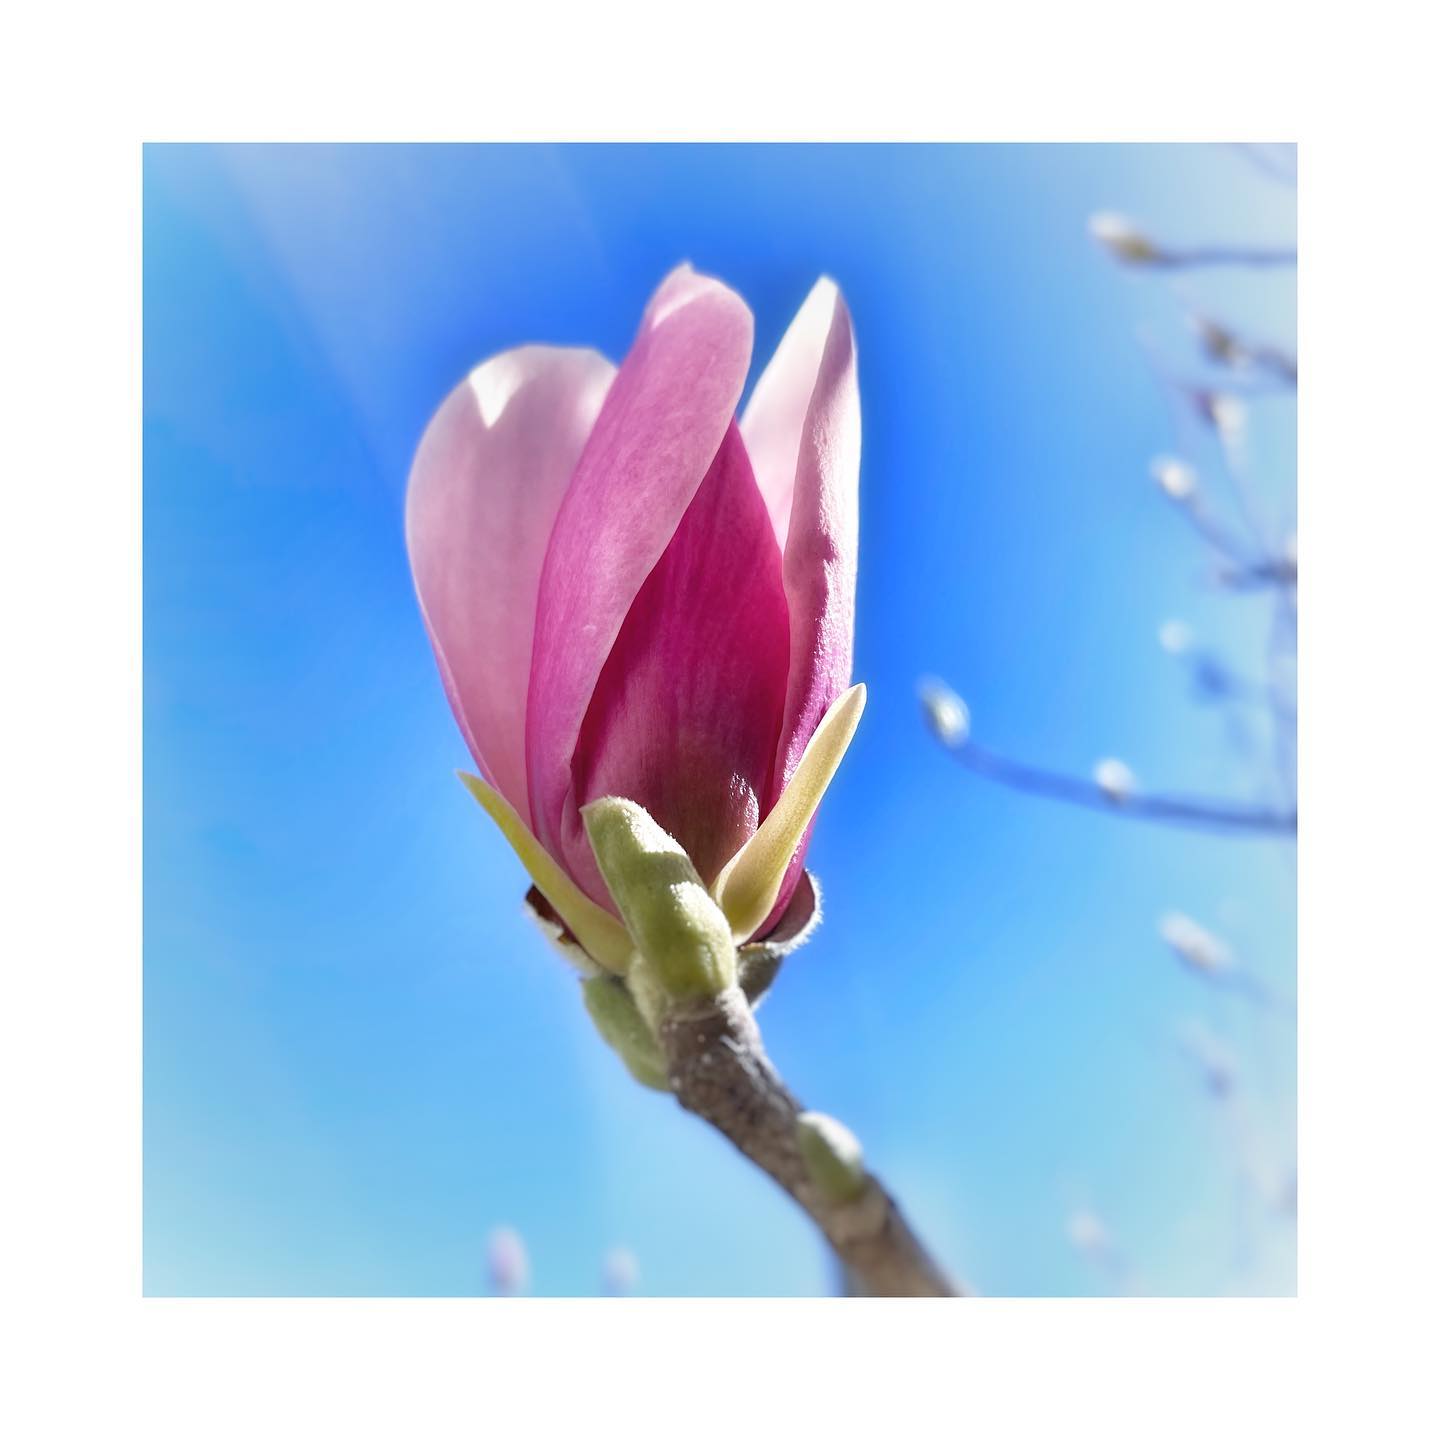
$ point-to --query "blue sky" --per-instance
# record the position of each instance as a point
(359, 1059)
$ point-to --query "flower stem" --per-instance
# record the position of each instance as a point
(718, 1070)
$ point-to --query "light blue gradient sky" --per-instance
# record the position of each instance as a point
(358, 1056)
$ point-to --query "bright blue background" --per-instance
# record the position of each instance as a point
(359, 1058)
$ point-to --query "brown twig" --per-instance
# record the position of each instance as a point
(1200, 256)
(719, 1071)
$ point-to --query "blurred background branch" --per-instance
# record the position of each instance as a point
(1248, 553)
(1112, 789)
(1132, 246)
(1242, 561)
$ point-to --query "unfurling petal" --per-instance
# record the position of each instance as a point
(686, 715)
(487, 482)
(653, 443)
(802, 431)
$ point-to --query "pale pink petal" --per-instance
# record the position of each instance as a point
(487, 482)
(775, 416)
(655, 438)
(686, 714)
(802, 431)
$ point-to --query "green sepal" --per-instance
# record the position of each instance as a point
(624, 1030)
(681, 932)
(602, 936)
(750, 882)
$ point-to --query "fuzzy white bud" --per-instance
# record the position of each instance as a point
(1175, 478)
(945, 712)
(1124, 239)
(1115, 780)
(1194, 944)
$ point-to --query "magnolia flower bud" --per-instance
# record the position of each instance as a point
(945, 712)
(508, 1264)
(681, 933)
(1195, 945)
(635, 588)
(1115, 780)
(832, 1156)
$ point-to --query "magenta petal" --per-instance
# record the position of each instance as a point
(802, 431)
(655, 438)
(686, 714)
(487, 482)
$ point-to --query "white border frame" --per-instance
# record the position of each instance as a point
(88, 1353)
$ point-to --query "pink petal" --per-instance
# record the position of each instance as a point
(802, 431)
(652, 445)
(686, 715)
(487, 482)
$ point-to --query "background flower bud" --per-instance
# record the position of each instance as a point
(1115, 780)
(945, 712)
(1124, 240)
(1175, 478)
(507, 1262)
(1194, 944)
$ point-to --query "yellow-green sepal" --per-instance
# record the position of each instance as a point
(749, 885)
(600, 933)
